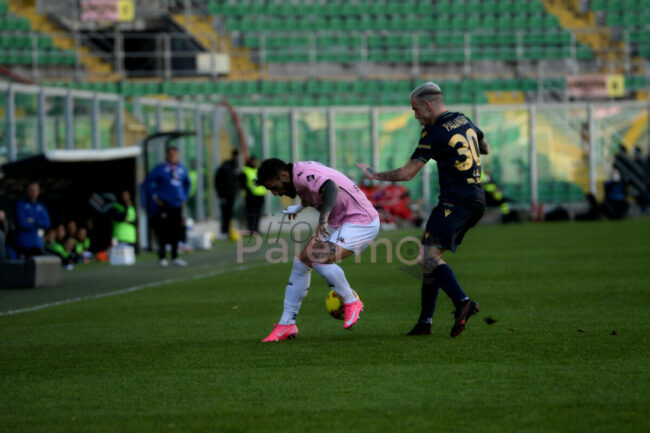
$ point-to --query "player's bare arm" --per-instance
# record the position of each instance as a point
(328, 191)
(407, 172)
(483, 147)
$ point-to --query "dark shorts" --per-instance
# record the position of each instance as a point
(448, 224)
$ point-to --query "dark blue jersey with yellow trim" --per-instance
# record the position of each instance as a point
(453, 142)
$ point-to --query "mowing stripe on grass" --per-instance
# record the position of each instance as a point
(131, 289)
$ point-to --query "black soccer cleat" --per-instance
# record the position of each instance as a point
(462, 314)
(421, 328)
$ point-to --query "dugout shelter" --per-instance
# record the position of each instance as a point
(72, 182)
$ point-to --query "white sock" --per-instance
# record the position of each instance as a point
(335, 277)
(296, 291)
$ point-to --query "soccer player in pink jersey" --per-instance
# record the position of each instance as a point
(348, 223)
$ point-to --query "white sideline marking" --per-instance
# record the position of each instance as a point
(128, 290)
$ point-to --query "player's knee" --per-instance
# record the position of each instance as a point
(428, 266)
(317, 253)
(321, 259)
(429, 262)
(304, 257)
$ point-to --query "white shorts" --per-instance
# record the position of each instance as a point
(354, 237)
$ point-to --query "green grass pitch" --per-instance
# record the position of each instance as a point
(187, 356)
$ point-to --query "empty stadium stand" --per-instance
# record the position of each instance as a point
(20, 46)
(364, 52)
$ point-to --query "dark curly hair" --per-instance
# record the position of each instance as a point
(270, 169)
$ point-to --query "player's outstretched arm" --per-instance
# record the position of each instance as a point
(293, 211)
(407, 172)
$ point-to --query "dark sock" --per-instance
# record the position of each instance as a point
(447, 280)
(430, 289)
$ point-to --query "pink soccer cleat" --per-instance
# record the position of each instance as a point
(282, 332)
(352, 311)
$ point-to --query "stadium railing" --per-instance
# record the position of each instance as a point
(549, 153)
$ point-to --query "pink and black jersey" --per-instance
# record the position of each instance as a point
(351, 205)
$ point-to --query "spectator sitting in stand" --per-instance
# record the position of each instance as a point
(61, 234)
(51, 244)
(71, 228)
(82, 245)
(72, 257)
(58, 248)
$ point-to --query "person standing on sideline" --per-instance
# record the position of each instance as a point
(226, 182)
(455, 143)
(254, 195)
(30, 217)
(347, 225)
(124, 220)
(168, 185)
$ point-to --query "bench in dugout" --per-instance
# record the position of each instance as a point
(40, 271)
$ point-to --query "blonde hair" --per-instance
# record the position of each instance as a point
(428, 91)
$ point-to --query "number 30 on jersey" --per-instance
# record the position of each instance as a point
(468, 148)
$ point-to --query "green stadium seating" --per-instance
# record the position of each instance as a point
(339, 31)
(330, 92)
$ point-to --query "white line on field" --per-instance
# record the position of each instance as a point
(129, 289)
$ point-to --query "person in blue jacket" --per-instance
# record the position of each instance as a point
(168, 187)
(30, 215)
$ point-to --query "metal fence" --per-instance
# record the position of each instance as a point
(168, 54)
(541, 153)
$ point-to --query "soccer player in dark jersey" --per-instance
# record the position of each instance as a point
(455, 143)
